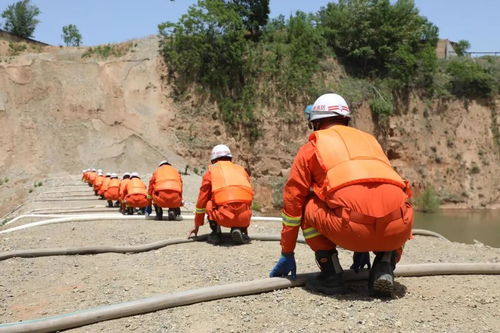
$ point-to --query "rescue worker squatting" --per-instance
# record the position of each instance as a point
(358, 202)
(165, 189)
(226, 196)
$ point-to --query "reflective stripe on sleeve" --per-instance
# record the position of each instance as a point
(200, 210)
(290, 221)
(310, 233)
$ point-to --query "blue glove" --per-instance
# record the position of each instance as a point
(286, 264)
(360, 260)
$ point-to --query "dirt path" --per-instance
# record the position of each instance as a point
(39, 287)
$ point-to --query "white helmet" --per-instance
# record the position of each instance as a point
(99, 173)
(329, 105)
(126, 174)
(100, 170)
(114, 175)
(93, 170)
(163, 162)
(108, 174)
(134, 174)
(83, 171)
(220, 151)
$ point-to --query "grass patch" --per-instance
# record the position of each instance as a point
(108, 50)
(428, 201)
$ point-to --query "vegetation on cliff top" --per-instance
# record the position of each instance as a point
(241, 59)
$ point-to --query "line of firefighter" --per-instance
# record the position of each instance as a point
(342, 190)
(130, 193)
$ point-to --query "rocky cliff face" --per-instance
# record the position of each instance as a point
(61, 112)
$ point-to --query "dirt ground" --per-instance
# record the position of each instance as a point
(47, 286)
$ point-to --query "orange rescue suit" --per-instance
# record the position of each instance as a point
(225, 195)
(123, 187)
(92, 177)
(104, 186)
(136, 194)
(358, 200)
(113, 190)
(98, 183)
(165, 187)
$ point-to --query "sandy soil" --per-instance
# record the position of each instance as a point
(39, 287)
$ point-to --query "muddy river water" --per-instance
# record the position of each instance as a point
(463, 225)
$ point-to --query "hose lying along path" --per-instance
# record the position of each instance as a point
(35, 253)
(171, 300)
(102, 217)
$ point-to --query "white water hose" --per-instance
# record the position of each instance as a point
(171, 300)
(101, 217)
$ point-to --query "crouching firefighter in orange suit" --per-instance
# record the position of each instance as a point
(226, 196)
(357, 202)
(136, 195)
(123, 187)
(112, 192)
(165, 188)
(98, 182)
(91, 177)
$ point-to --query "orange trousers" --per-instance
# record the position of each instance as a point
(167, 199)
(137, 200)
(235, 214)
(112, 193)
(326, 229)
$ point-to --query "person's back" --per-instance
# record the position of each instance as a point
(226, 196)
(113, 190)
(165, 190)
(136, 193)
(358, 202)
(104, 186)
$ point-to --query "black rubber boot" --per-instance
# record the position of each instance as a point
(171, 214)
(110, 203)
(117, 204)
(159, 212)
(381, 278)
(177, 212)
(330, 280)
(239, 236)
(130, 211)
(142, 211)
(215, 236)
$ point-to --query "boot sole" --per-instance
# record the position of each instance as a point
(237, 237)
(383, 286)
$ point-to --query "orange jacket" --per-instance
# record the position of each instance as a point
(135, 186)
(123, 188)
(98, 183)
(92, 177)
(104, 186)
(165, 177)
(224, 182)
(310, 172)
(113, 183)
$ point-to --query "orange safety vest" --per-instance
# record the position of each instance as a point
(92, 177)
(230, 183)
(98, 182)
(123, 185)
(349, 156)
(105, 184)
(114, 182)
(167, 178)
(136, 186)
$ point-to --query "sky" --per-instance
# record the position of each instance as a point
(108, 21)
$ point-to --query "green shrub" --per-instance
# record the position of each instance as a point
(256, 206)
(428, 201)
(108, 50)
(16, 48)
(382, 106)
(470, 80)
(30, 190)
(377, 38)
